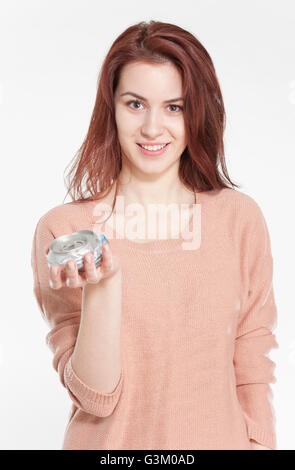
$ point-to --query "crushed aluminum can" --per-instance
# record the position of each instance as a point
(74, 246)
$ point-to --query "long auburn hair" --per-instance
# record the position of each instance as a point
(99, 161)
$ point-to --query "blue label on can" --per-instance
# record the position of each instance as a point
(103, 239)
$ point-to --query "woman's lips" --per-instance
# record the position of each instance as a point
(153, 153)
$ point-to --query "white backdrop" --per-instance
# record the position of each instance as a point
(51, 53)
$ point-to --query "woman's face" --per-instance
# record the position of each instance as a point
(156, 118)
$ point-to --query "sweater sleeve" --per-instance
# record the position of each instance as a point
(61, 310)
(254, 370)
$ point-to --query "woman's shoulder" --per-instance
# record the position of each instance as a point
(245, 209)
(238, 205)
(230, 197)
(63, 218)
(247, 205)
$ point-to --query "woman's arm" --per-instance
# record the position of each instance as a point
(61, 310)
(97, 355)
(255, 336)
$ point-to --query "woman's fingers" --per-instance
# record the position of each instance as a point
(107, 254)
(55, 280)
(55, 275)
(61, 275)
(72, 275)
(68, 274)
(111, 263)
(92, 273)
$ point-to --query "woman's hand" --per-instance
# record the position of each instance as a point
(64, 276)
(256, 446)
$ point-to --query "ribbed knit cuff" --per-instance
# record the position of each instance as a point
(265, 438)
(91, 401)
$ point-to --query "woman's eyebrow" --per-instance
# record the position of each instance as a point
(144, 99)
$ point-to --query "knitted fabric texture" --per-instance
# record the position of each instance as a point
(197, 329)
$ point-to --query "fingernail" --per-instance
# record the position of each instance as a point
(71, 266)
(88, 258)
(54, 270)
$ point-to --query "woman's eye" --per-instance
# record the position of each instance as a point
(138, 102)
(175, 106)
(130, 102)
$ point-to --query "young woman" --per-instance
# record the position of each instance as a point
(164, 345)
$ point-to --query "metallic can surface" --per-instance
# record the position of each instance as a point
(74, 246)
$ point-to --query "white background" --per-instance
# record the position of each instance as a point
(51, 53)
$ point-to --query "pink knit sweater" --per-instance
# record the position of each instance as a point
(197, 326)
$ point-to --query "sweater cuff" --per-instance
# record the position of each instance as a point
(88, 399)
(265, 438)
